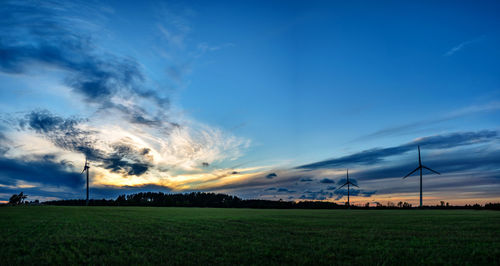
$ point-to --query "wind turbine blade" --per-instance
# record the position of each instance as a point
(411, 172)
(85, 166)
(353, 184)
(430, 169)
(342, 186)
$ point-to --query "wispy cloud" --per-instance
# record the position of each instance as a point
(376, 155)
(174, 29)
(462, 45)
(423, 124)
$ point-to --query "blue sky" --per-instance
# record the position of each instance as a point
(217, 96)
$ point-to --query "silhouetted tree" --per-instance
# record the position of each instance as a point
(492, 206)
(17, 199)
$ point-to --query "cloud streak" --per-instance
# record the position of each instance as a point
(377, 155)
(419, 125)
(45, 170)
(461, 46)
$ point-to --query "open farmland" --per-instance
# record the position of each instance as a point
(148, 235)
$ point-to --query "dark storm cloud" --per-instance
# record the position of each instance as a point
(279, 190)
(63, 132)
(467, 160)
(353, 192)
(45, 170)
(271, 175)
(330, 192)
(66, 134)
(377, 155)
(43, 122)
(327, 181)
(312, 197)
(138, 118)
(126, 159)
(316, 195)
(137, 115)
(42, 34)
(284, 190)
(306, 179)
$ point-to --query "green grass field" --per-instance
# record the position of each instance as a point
(142, 235)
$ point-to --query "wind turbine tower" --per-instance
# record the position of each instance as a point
(86, 168)
(348, 183)
(420, 167)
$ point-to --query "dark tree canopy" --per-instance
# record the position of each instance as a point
(17, 199)
(217, 200)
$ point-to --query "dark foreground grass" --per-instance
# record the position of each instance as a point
(141, 235)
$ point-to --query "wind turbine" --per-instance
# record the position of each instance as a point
(420, 167)
(86, 168)
(348, 188)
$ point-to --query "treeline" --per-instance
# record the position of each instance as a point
(196, 199)
(492, 206)
(442, 206)
(217, 200)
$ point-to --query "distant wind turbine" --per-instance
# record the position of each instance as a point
(86, 168)
(348, 188)
(420, 167)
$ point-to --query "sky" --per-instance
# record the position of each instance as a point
(258, 99)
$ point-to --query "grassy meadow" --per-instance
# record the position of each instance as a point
(149, 235)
